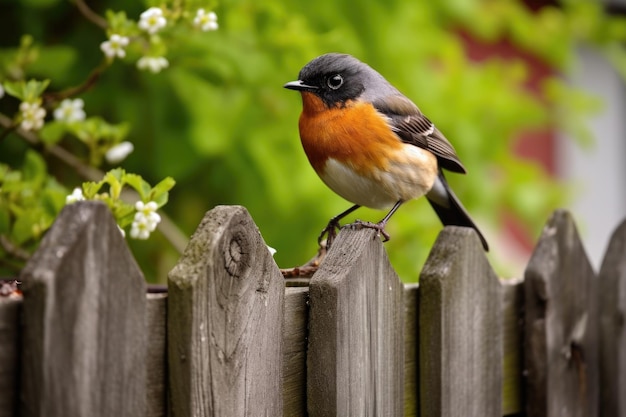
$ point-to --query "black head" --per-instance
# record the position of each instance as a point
(337, 78)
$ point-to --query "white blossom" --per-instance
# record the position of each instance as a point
(206, 21)
(271, 249)
(114, 47)
(70, 111)
(152, 63)
(152, 20)
(77, 195)
(145, 221)
(119, 152)
(32, 115)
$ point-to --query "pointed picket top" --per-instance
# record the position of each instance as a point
(561, 348)
(84, 320)
(612, 305)
(225, 321)
(355, 357)
(460, 314)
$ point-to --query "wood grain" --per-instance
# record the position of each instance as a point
(355, 360)
(461, 329)
(612, 297)
(10, 338)
(561, 337)
(225, 321)
(84, 320)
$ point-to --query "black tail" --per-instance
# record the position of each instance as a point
(449, 209)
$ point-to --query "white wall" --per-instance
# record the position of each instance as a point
(599, 173)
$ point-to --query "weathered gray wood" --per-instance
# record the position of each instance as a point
(355, 359)
(84, 320)
(411, 350)
(295, 336)
(513, 361)
(10, 312)
(156, 355)
(460, 317)
(225, 321)
(560, 342)
(612, 305)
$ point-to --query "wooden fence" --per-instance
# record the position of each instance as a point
(229, 339)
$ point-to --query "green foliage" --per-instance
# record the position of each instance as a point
(218, 120)
(29, 203)
(109, 190)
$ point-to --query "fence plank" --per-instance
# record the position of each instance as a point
(156, 355)
(561, 352)
(513, 361)
(460, 321)
(612, 302)
(296, 330)
(225, 321)
(411, 350)
(10, 314)
(355, 360)
(84, 320)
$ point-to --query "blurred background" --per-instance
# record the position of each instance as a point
(530, 93)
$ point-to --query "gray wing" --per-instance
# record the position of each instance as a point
(414, 128)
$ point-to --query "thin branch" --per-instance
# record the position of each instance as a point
(90, 15)
(73, 91)
(12, 250)
(171, 232)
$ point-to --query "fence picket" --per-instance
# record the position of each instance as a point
(612, 302)
(84, 320)
(461, 329)
(411, 350)
(10, 337)
(355, 359)
(561, 346)
(295, 337)
(225, 321)
(156, 356)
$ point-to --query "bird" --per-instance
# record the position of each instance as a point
(372, 145)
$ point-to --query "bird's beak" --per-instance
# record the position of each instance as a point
(299, 85)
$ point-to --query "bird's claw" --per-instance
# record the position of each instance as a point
(330, 231)
(379, 227)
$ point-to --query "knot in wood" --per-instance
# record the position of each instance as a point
(237, 255)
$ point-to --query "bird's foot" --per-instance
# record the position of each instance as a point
(330, 232)
(379, 227)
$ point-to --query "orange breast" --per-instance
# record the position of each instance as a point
(354, 135)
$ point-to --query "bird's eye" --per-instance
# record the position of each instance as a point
(335, 81)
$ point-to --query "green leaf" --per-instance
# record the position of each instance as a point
(52, 132)
(159, 193)
(34, 168)
(140, 185)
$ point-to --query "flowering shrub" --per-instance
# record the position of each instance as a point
(30, 198)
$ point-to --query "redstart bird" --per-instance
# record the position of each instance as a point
(371, 145)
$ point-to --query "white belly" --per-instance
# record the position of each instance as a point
(410, 177)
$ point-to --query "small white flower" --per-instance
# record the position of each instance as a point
(119, 152)
(122, 231)
(77, 195)
(153, 63)
(32, 116)
(139, 230)
(146, 220)
(70, 111)
(114, 47)
(272, 250)
(152, 20)
(205, 21)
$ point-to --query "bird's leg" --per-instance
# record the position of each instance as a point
(330, 231)
(380, 226)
